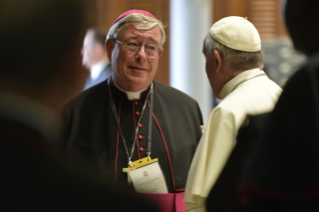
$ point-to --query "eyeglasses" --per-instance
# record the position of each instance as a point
(133, 48)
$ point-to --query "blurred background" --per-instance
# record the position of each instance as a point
(187, 23)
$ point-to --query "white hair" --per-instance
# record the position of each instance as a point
(238, 60)
(140, 21)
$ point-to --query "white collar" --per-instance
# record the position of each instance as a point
(130, 95)
(240, 78)
(98, 68)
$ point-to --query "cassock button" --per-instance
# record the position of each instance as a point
(136, 102)
(140, 125)
(142, 149)
(138, 113)
(140, 137)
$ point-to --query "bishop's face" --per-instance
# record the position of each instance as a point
(135, 72)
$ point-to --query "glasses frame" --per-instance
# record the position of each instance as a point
(139, 48)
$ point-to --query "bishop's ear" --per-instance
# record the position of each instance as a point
(109, 45)
(218, 60)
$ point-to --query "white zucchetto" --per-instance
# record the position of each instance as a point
(236, 33)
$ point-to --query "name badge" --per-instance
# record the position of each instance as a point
(147, 176)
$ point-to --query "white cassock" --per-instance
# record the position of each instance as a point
(249, 93)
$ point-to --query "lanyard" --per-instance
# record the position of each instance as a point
(115, 115)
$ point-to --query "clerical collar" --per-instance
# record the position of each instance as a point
(98, 68)
(130, 95)
(240, 78)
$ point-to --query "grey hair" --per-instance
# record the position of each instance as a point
(140, 21)
(238, 60)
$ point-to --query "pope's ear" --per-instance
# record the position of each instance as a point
(218, 60)
(109, 45)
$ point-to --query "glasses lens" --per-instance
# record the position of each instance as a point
(150, 54)
(132, 47)
(150, 51)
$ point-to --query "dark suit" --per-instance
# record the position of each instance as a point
(90, 128)
(33, 179)
(275, 164)
(106, 72)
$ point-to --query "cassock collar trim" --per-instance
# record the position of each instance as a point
(130, 95)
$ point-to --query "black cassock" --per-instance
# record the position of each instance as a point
(90, 129)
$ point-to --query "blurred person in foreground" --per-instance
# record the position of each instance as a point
(131, 120)
(39, 44)
(275, 166)
(94, 57)
(233, 66)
